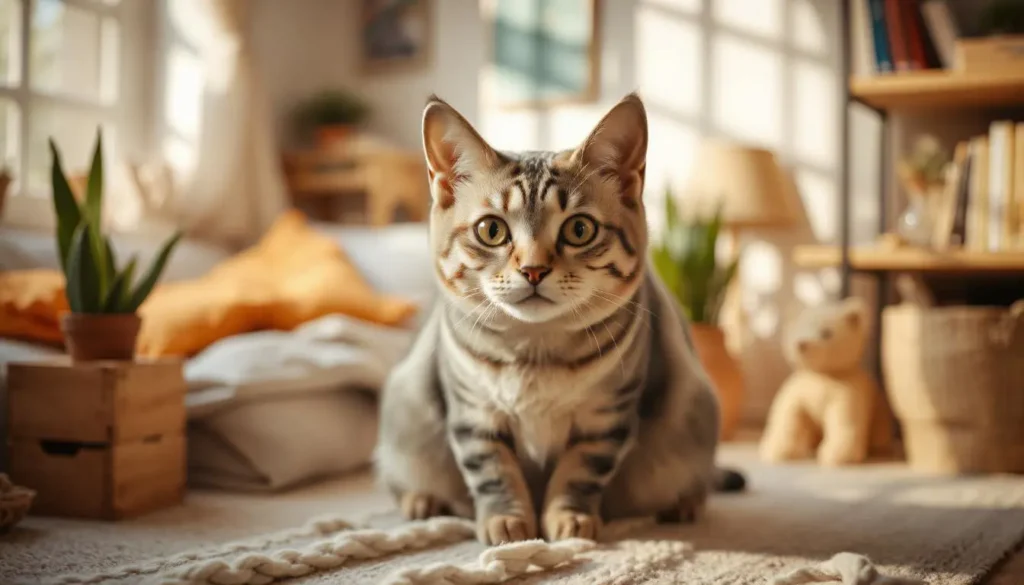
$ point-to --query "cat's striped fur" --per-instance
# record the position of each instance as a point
(556, 385)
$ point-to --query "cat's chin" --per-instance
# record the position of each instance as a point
(533, 311)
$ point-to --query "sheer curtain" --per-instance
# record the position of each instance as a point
(235, 189)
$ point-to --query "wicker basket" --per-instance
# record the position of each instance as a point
(955, 379)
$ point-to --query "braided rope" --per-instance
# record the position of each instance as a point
(321, 526)
(261, 569)
(495, 565)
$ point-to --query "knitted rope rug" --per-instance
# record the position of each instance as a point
(797, 525)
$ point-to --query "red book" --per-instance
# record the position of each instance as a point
(897, 38)
(915, 39)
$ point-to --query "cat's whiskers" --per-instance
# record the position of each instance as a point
(622, 363)
(579, 315)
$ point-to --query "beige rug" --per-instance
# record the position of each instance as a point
(937, 530)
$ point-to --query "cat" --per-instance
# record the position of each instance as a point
(555, 386)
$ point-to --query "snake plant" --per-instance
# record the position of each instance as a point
(687, 261)
(95, 284)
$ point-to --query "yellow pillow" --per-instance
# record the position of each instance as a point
(293, 275)
(31, 303)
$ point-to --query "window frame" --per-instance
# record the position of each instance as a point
(26, 207)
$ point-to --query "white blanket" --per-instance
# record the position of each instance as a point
(271, 409)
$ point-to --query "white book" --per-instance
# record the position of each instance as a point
(942, 28)
(999, 136)
(862, 40)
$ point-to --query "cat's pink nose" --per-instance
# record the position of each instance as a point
(534, 274)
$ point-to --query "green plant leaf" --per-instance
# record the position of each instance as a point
(112, 302)
(94, 215)
(124, 303)
(64, 205)
(81, 282)
(94, 189)
(149, 280)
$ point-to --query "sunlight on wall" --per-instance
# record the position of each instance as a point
(819, 194)
(747, 84)
(807, 31)
(183, 95)
(761, 17)
(814, 98)
(570, 126)
(669, 61)
(515, 130)
(671, 148)
(681, 6)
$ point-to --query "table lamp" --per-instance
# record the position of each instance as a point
(747, 181)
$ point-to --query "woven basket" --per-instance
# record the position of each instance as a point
(955, 379)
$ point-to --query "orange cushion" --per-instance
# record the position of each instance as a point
(31, 303)
(293, 275)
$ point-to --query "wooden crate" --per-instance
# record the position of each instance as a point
(98, 439)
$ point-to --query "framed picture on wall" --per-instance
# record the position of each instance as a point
(543, 53)
(396, 35)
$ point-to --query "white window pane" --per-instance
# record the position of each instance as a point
(66, 50)
(10, 42)
(74, 132)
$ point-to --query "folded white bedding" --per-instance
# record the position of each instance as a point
(270, 410)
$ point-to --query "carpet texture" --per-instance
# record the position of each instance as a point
(942, 531)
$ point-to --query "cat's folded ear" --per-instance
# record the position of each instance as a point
(453, 148)
(617, 147)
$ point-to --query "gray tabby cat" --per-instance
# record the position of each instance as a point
(556, 384)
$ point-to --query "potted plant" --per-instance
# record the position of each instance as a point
(687, 261)
(331, 116)
(104, 298)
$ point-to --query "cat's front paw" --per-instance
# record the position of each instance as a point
(499, 528)
(561, 524)
(420, 506)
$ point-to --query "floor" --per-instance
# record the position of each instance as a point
(171, 531)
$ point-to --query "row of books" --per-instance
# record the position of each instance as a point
(982, 207)
(902, 35)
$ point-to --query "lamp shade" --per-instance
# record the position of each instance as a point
(747, 181)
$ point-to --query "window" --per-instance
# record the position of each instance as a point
(62, 75)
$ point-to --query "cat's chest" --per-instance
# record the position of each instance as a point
(540, 406)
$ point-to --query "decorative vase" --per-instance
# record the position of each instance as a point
(100, 337)
(725, 374)
(915, 223)
(330, 136)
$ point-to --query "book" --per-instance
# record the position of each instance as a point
(1000, 185)
(883, 56)
(1017, 206)
(946, 209)
(862, 39)
(893, 17)
(977, 196)
(913, 34)
(942, 28)
(958, 233)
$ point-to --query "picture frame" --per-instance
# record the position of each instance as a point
(396, 35)
(542, 53)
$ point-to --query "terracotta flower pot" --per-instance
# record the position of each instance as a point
(100, 337)
(332, 135)
(725, 373)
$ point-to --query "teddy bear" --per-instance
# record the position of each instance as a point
(829, 407)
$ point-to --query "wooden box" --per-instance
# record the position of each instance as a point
(102, 440)
(989, 55)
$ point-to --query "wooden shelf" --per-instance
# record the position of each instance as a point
(939, 89)
(872, 259)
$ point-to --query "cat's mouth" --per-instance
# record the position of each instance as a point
(534, 297)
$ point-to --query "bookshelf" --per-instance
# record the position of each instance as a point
(871, 259)
(908, 89)
(938, 89)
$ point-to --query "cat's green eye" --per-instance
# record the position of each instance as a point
(492, 231)
(579, 230)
